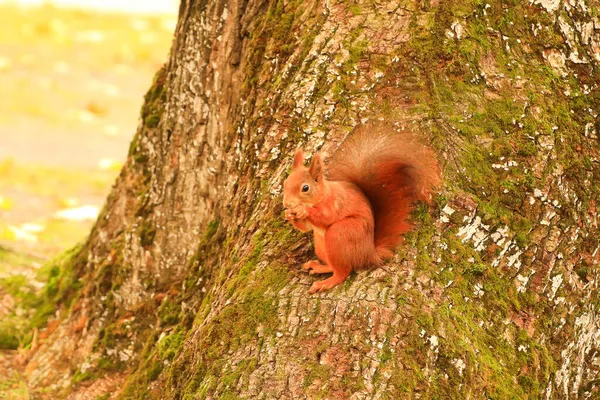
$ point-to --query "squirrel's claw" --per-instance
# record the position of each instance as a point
(314, 288)
(326, 284)
(315, 267)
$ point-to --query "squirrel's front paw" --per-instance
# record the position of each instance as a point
(300, 212)
(296, 213)
(290, 215)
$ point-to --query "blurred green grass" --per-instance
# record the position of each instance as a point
(12, 387)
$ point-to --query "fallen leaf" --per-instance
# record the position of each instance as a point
(111, 130)
(21, 234)
(69, 202)
(83, 213)
(108, 164)
(5, 63)
(32, 228)
(96, 109)
(5, 204)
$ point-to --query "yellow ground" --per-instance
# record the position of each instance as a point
(71, 87)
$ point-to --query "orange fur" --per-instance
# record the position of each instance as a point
(359, 203)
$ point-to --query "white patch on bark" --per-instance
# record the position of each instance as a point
(569, 377)
(475, 231)
(557, 280)
(548, 5)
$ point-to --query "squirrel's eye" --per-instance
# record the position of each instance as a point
(305, 188)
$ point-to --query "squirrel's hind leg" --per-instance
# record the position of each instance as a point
(347, 242)
(317, 266)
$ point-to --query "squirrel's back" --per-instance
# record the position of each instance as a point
(394, 171)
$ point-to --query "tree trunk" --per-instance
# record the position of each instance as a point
(189, 285)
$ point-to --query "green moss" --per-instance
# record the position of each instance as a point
(211, 229)
(355, 9)
(64, 284)
(152, 120)
(79, 376)
(147, 232)
(169, 345)
(17, 287)
(477, 269)
(154, 370)
(356, 51)
(320, 373)
(98, 370)
(583, 270)
(156, 355)
(229, 395)
(169, 312)
(9, 335)
(155, 99)
(61, 288)
(522, 228)
(471, 332)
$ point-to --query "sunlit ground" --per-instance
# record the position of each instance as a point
(71, 86)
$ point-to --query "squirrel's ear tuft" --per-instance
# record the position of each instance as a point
(316, 167)
(298, 159)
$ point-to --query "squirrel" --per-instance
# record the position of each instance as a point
(358, 202)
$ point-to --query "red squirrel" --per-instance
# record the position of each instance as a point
(358, 203)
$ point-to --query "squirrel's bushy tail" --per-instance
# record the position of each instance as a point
(394, 171)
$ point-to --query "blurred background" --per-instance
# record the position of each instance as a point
(72, 78)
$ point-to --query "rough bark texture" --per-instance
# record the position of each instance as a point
(189, 285)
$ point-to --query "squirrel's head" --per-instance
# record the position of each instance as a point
(304, 185)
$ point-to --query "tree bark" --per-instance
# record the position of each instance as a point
(189, 284)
